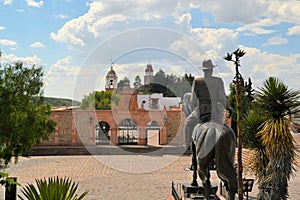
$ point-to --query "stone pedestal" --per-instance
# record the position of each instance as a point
(197, 192)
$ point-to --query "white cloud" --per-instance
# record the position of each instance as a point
(7, 2)
(2, 28)
(284, 11)
(61, 16)
(185, 18)
(33, 3)
(255, 29)
(295, 30)
(64, 67)
(29, 60)
(259, 65)
(259, 12)
(277, 40)
(107, 18)
(68, 34)
(37, 45)
(231, 11)
(256, 16)
(105, 21)
(6, 42)
(215, 42)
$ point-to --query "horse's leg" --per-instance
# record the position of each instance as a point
(204, 175)
(194, 164)
(225, 150)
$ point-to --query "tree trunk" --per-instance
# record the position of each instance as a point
(239, 139)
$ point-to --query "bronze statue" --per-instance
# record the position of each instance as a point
(205, 130)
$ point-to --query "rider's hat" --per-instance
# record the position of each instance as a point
(207, 64)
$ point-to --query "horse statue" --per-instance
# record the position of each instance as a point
(214, 141)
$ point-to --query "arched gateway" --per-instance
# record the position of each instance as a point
(77, 127)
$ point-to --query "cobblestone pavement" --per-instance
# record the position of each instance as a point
(132, 176)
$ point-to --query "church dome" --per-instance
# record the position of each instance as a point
(111, 72)
(149, 68)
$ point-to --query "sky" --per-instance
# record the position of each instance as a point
(77, 42)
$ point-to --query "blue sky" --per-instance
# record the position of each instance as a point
(75, 41)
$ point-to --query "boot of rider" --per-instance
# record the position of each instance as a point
(230, 195)
(206, 187)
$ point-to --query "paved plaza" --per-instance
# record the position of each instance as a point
(119, 174)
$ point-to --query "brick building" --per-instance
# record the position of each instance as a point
(138, 119)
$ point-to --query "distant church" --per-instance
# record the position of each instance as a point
(112, 78)
(154, 101)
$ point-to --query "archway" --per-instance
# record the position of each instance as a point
(128, 132)
(153, 133)
(103, 133)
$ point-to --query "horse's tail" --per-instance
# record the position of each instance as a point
(224, 158)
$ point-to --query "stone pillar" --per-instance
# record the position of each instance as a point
(142, 135)
(163, 135)
(114, 136)
(74, 134)
(56, 134)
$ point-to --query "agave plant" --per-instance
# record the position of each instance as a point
(252, 123)
(276, 102)
(53, 189)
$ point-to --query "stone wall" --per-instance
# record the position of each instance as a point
(78, 127)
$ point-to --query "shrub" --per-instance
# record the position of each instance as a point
(55, 188)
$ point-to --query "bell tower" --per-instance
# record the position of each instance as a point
(148, 78)
(111, 80)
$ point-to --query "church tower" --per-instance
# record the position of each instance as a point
(111, 80)
(148, 78)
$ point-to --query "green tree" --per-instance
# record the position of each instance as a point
(99, 100)
(171, 85)
(246, 100)
(138, 82)
(276, 101)
(189, 78)
(24, 119)
(122, 83)
(168, 84)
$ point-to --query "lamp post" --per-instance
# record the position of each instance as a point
(97, 135)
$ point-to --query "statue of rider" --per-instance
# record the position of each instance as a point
(206, 102)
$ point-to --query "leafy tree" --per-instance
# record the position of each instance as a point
(138, 82)
(189, 78)
(7, 181)
(99, 100)
(246, 100)
(168, 84)
(171, 85)
(122, 83)
(24, 118)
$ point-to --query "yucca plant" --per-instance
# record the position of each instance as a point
(53, 189)
(252, 123)
(276, 102)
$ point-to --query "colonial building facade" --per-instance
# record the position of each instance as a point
(138, 119)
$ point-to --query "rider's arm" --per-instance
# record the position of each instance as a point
(194, 99)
